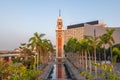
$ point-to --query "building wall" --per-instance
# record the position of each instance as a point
(116, 35)
(88, 29)
(73, 33)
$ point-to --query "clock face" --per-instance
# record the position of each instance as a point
(59, 23)
(59, 35)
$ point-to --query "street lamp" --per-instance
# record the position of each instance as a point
(36, 60)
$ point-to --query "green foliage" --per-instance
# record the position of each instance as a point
(95, 64)
(116, 52)
(107, 67)
(117, 46)
(17, 71)
(71, 45)
(87, 75)
(83, 73)
(16, 60)
(107, 71)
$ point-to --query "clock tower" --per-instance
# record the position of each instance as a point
(59, 38)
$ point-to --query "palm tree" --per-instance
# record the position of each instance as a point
(82, 52)
(109, 33)
(48, 48)
(107, 38)
(78, 49)
(94, 42)
(89, 48)
(84, 47)
(36, 44)
(71, 46)
(27, 56)
(25, 51)
(104, 42)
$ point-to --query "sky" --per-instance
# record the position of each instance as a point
(20, 19)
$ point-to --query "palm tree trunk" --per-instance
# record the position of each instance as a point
(39, 57)
(82, 61)
(111, 53)
(47, 57)
(86, 61)
(99, 56)
(92, 60)
(90, 67)
(38, 60)
(95, 61)
(105, 54)
(92, 57)
(111, 57)
(99, 59)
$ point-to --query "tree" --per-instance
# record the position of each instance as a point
(116, 52)
(107, 38)
(71, 46)
(82, 51)
(48, 48)
(89, 49)
(94, 42)
(78, 49)
(36, 44)
(104, 40)
(109, 33)
(84, 46)
(25, 51)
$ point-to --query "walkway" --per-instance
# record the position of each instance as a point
(75, 74)
(46, 71)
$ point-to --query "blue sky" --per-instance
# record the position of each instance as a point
(19, 19)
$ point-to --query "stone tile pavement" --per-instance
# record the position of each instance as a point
(75, 74)
(46, 71)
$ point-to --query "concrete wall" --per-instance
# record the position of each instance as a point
(88, 29)
(116, 35)
(73, 33)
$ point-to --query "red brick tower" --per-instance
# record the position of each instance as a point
(59, 38)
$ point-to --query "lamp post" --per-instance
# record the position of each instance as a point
(36, 60)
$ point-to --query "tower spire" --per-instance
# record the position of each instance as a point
(59, 12)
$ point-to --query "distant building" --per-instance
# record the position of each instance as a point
(93, 28)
